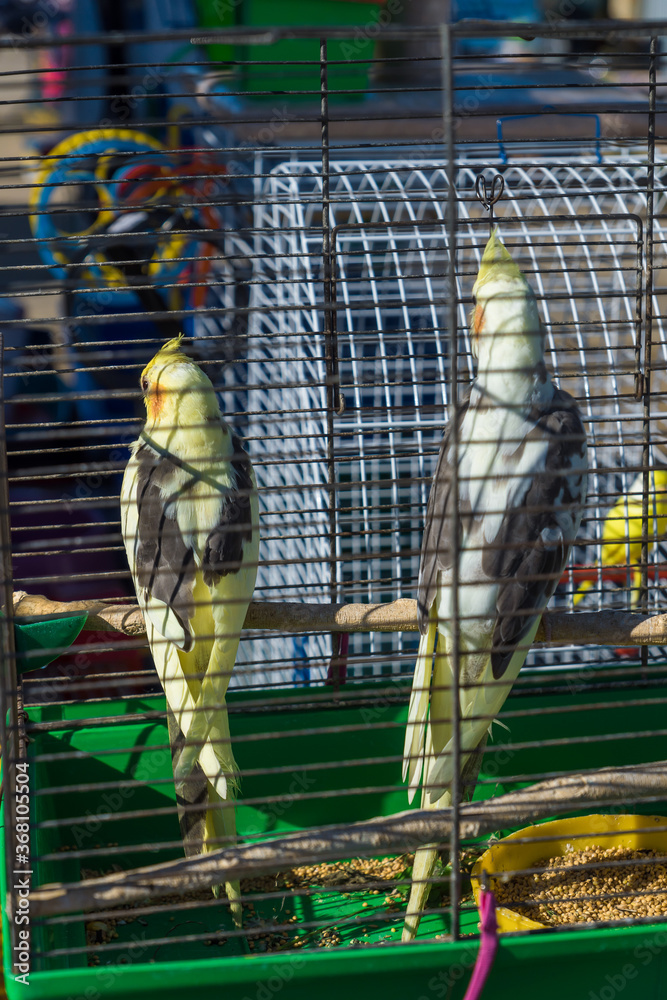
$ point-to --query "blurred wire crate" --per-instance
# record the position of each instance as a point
(580, 240)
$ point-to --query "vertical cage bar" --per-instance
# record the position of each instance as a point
(9, 733)
(330, 357)
(648, 334)
(639, 309)
(452, 322)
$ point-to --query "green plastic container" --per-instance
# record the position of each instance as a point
(292, 81)
(325, 753)
(216, 14)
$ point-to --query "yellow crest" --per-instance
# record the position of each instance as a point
(496, 263)
(171, 351)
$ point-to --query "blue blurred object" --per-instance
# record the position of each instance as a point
(492, 10)
(114, 304)
(137, 93)
(28, 370)
(14, 338)
(497, 10)
(169, 68)
(160, 16)
(15, 13)
(10, 310)
(502, 152)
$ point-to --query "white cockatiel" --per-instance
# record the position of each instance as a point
(190, 526)
(522, 483)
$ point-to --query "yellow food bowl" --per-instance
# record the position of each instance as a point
(576, 833)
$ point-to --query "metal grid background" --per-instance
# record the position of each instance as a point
(324, 322)
(393, 353)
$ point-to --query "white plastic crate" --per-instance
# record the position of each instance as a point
(574, 227)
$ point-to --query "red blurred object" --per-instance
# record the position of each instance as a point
(614, 574)
(627, 652)
(144, 181)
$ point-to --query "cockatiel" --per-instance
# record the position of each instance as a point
(191, 532)
(522, 483)
(622, 531)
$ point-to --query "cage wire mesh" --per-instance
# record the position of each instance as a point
(282, 198)
(391, 284)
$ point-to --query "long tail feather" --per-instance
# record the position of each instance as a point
(221, 832)
(480, 704)
(205, 772)
(436, 717)
(209, 728)
(191, 795)
(422, 870)
(413, 750)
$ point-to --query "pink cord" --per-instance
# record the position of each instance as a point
(487, 947)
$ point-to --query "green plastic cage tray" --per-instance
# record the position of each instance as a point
(548, 727)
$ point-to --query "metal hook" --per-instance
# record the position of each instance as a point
(489, 199)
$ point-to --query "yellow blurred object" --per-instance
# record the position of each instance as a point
(622, 530)
(574, 834)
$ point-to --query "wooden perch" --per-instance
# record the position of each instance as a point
(384, 835)
(598, 628)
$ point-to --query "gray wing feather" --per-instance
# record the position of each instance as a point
(533, 543)
(436, 541)
(532, 546)
(223, 551)
(164, 564)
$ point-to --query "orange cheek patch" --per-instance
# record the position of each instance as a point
(155, 404)
(478, 321)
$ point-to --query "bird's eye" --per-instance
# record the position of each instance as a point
(144, 384)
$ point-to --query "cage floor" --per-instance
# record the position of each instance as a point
(292, 931)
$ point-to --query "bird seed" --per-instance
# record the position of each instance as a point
(587, 886)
